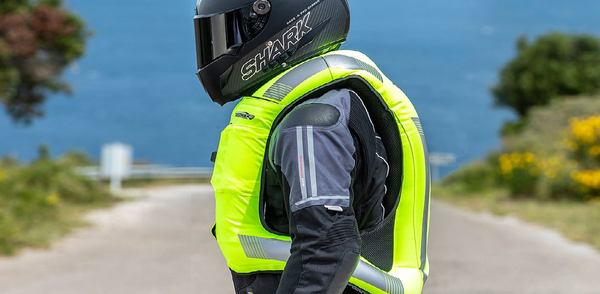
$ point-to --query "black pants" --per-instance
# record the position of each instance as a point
(266, 283)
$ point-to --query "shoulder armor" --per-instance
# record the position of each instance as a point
(312, 114)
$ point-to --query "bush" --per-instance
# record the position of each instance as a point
(555, 156)
(555, 65)
(37, 197)
(520, 173)
(76, 158)
(584, 143)
(56, 177)
(475, 177)
(546, 128)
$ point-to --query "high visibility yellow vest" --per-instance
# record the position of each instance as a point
(249, 246)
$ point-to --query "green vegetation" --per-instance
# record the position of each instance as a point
(546, 174)
(555, 66)
(43, 201)
(38, 40)
(555, 156)
(548, 168)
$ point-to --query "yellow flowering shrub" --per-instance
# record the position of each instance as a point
(585, 148)
(594, 151)
(551, 167)
(511, 162)
(520, 172)
(585, 139)
(590, 179)
(586, 130)
(555, 155)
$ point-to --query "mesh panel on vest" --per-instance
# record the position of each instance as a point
(377, 246)
(368, 187)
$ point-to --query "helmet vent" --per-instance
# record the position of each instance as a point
(261, 7)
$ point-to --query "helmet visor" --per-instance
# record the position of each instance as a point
(216, 36)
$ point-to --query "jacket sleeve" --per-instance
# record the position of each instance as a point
(315, 153)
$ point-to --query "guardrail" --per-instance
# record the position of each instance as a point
(152, 172)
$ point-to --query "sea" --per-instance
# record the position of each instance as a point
(136, 83)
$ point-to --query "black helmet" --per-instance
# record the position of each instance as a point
(241, 44)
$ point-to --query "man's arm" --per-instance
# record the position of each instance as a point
(315, 152)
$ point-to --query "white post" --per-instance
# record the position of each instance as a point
(115, 184)
(115, 164)
(438, 160)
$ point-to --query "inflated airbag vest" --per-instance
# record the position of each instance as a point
(395, 254)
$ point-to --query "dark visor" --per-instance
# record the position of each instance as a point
(216, 35)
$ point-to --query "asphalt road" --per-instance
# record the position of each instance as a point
(160, 244)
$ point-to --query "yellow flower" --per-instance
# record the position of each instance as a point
(511, 161)
(551, 166)
(53, 199)
(529, 157)
(586, 130)
(2, 175)
(506, 166)
(594, 150)
(587, 178)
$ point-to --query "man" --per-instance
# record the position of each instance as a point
(321, 180)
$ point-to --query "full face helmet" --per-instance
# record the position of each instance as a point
(242, 44)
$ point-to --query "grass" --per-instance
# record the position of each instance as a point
(578, 221)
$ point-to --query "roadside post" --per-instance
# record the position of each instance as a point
(438, 160)
(115, 164)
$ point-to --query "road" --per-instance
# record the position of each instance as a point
(160, 244)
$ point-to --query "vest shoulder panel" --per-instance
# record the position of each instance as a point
(249, 246)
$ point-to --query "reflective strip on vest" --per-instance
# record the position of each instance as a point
(291, 80)
(425, 229)
(263, 248)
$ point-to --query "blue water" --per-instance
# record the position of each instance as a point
(136, 83)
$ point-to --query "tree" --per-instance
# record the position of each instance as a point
(38, 40)
(556, 65)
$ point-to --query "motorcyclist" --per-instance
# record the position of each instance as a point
(325, 174)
